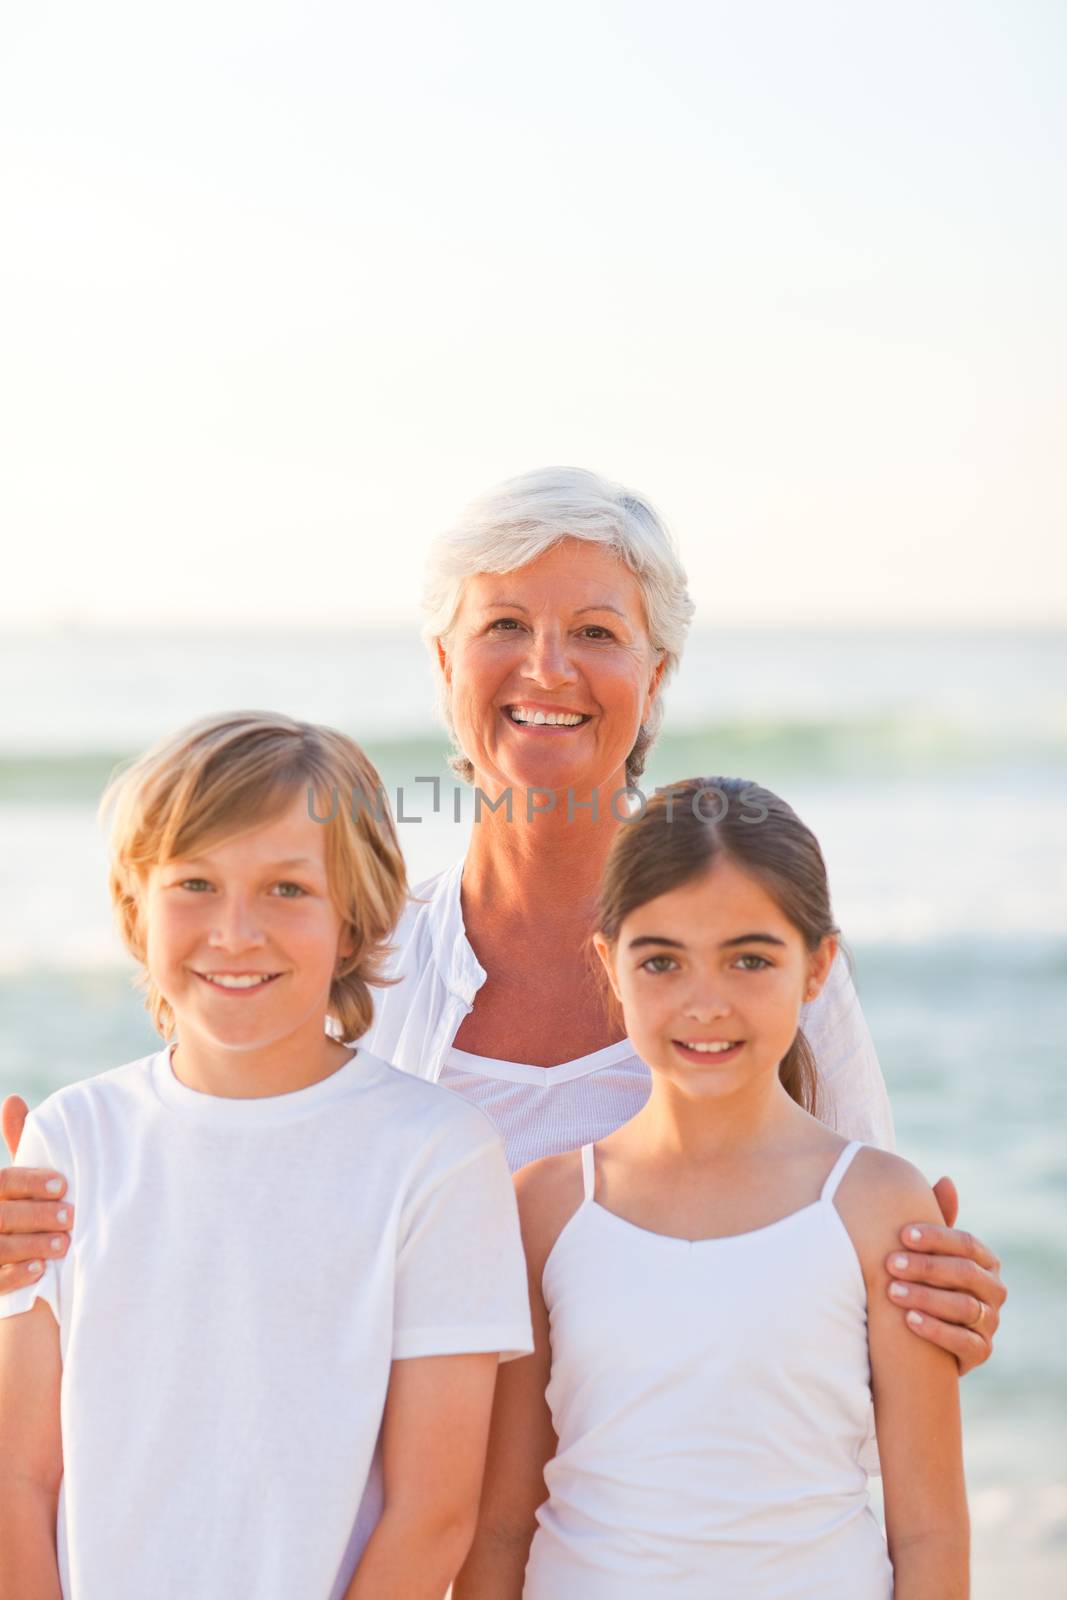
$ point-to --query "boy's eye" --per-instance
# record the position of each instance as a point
(658, 964)
(760, 963)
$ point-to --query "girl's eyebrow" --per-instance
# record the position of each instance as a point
(727, 944)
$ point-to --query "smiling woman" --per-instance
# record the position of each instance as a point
(562, 594)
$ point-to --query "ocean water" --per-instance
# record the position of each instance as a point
(934, 769)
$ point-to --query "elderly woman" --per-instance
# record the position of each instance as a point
(557, 611)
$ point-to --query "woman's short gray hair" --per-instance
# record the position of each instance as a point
(517, 522)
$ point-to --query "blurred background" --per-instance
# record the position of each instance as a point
(284, 285)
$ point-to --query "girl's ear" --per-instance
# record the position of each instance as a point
(819, 963)
(603, 950)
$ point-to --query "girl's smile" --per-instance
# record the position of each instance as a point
(711, 977)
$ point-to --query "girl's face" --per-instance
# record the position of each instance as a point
(565, 635)
(243, 939)
(711, 978)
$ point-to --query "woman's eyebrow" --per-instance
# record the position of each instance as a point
(514, 605)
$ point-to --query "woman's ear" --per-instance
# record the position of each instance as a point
(653, 687)
(603, 950)
(443, 661)
(819, 963)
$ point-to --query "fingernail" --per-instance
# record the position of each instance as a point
(899, 1291)
(62, 1215)
(57, 1244)
(35, 1267)
(54, 1186)
(915, 1234)
(914, 1318)
(901, 1263)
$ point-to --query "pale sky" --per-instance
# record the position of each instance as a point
(284, 283)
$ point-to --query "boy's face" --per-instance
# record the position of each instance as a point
(243, 940)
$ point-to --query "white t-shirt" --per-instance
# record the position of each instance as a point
(544, 1110)
(242, 1275)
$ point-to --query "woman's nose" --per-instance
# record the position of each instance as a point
(548, 661)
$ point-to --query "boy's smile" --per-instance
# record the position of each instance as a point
(243, 942)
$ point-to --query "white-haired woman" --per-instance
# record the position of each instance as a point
(557, 610)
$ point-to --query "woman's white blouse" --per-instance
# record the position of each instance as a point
(543, 1110)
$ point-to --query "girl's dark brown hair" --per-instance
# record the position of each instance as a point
(683, 830)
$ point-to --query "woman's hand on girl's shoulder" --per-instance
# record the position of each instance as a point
(948, 1282)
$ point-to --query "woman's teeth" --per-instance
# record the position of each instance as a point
(552, 719)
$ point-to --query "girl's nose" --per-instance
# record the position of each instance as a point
(707, 1006)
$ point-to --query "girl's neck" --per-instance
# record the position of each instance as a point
(698, 1130)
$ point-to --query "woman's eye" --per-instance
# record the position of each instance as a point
(290, 891)
(760, 963)
(597, 631)
(505, 624)
(659, 964)
(196, 884)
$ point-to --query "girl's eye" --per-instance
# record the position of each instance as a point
(658, 964)
(289, 891)
(761, 962)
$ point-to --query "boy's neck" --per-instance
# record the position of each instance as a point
(284, 1066)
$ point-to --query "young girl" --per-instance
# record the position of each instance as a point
(708, 1281)
(189, 1413)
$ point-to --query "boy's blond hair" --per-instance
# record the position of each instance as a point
(228, 773)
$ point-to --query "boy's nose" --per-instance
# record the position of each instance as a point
(236, 927)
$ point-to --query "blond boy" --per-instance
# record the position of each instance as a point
(184, 1414)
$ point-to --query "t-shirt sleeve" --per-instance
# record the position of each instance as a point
(461, 1276)
(39, 1148)
(854, 1100)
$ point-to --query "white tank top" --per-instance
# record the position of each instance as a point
(711, 1401)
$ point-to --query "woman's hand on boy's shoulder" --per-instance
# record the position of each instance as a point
(945, 1281)
(31, 1205)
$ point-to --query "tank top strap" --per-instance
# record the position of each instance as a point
(839, 1168)
(588, 1172)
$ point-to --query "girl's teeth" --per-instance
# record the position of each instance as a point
(710, 1046)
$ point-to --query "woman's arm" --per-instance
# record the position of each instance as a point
(521, 1438)
(32, 1218)
(953, 1280)
(31, 1455)
(433, 1451)
(916, 1395)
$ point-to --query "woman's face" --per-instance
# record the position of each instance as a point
(564, 637)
